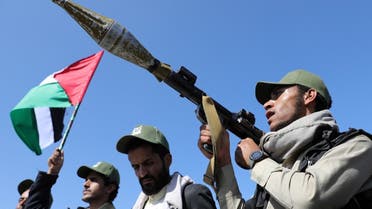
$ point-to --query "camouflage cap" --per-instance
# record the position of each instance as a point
(24, 185)
(142, 132)
(300, 77)
(103, 168)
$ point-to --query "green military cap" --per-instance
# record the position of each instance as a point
(103, 168)
(24, 185)
(142, 132)
(296, 77)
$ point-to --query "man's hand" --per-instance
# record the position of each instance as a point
(223, 151)
(243, 151)
(55, 162)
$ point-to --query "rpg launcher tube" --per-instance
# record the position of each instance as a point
(114, 38)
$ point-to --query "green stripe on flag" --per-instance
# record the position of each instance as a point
(48, 95)
(25, 125)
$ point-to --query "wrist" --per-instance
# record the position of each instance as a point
(256, 156)
(53, 172)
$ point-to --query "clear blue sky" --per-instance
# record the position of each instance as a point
(229, 45)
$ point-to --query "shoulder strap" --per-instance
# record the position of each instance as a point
(217, 129)
(184, 205)
(259, 200)
(330, 139)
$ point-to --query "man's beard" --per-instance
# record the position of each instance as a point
(158, 181)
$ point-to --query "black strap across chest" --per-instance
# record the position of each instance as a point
(329, 138)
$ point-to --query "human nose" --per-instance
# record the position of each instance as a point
(142, 171)
(86, 183)
(21, 203)
(269, 104)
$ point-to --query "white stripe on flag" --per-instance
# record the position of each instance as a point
(44, 126)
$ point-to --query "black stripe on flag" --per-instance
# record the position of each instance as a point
(57, 115)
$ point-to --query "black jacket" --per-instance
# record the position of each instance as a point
(197, 196)
(40, 195)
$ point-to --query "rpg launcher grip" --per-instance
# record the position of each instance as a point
(241, 123)
(116, 39)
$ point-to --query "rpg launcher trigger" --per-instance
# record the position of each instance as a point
(242, 117)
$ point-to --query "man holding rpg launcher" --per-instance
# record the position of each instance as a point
(304, 162)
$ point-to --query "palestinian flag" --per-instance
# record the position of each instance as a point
(38, 117)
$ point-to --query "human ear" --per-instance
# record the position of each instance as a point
(310, 96)
(168, 159)
(110, 188)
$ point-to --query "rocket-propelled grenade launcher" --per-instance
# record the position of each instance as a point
(116, 39)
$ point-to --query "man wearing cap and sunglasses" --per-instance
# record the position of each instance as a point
(304, 161)
(149, 155)
(39, 193)
(100, 187)
(23, 190)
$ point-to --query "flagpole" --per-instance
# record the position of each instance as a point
(69, 125)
